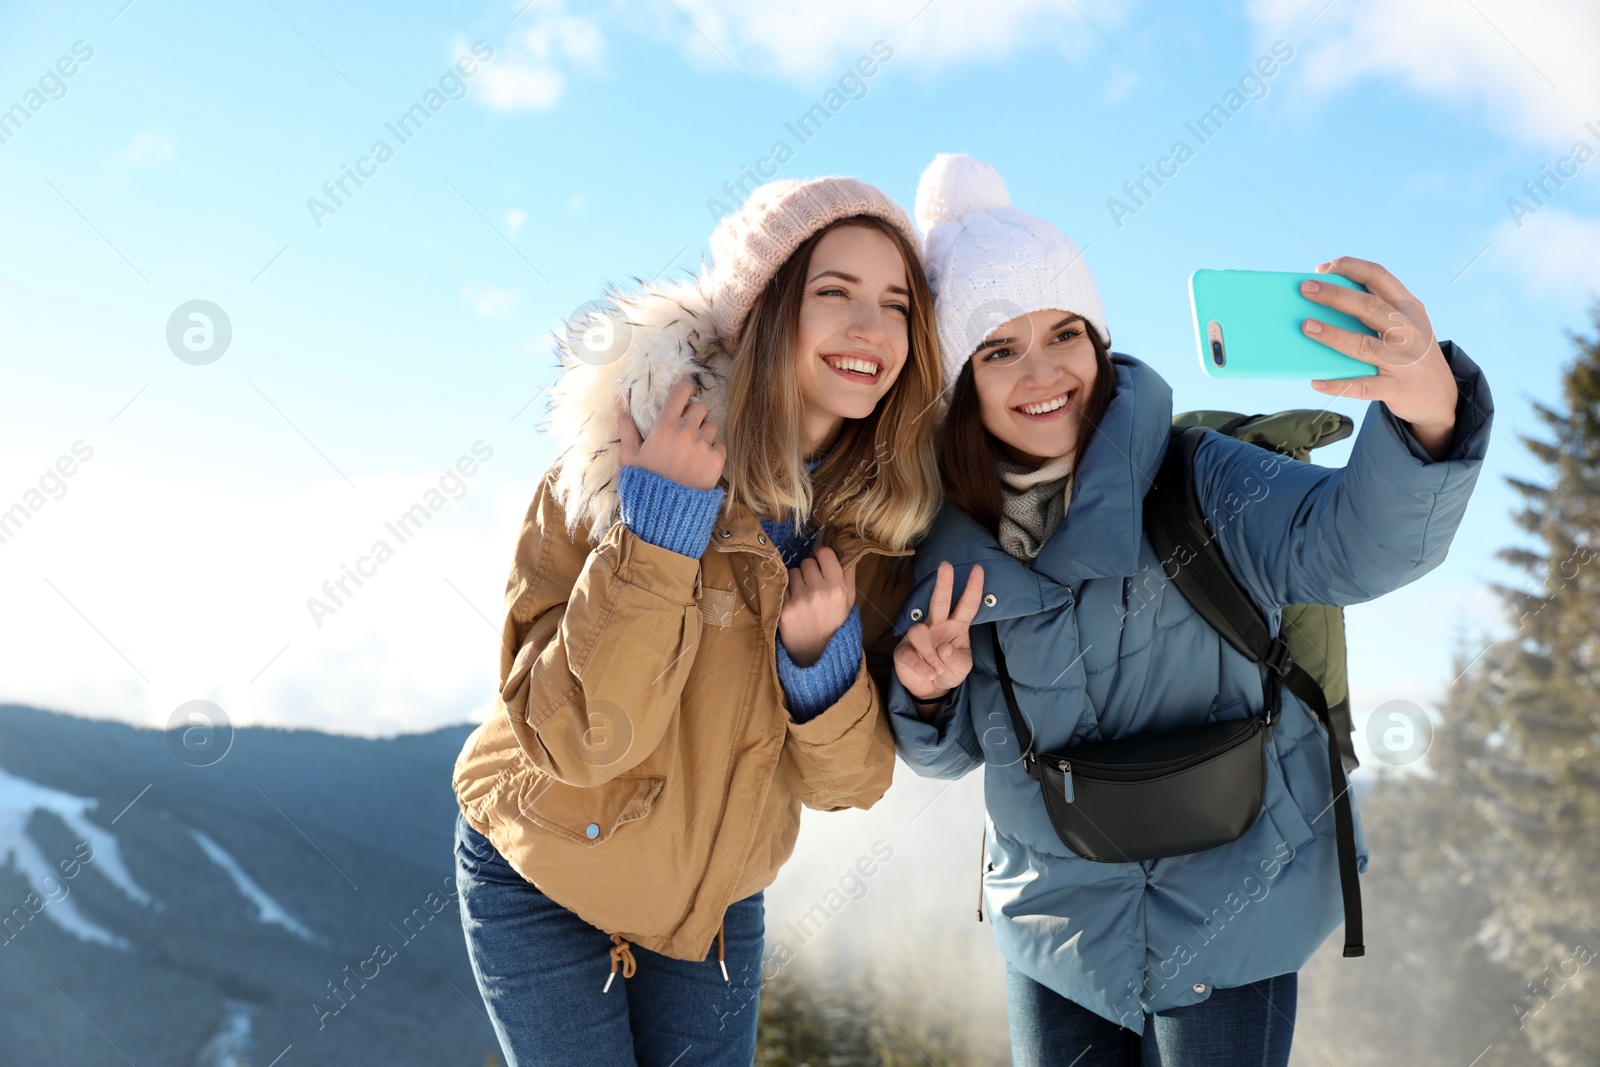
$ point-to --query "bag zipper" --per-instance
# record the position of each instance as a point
(1121, 772)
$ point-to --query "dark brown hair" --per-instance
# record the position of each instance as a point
(967, 451)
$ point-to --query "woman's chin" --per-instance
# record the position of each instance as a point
(1037, 449)
(854, 405)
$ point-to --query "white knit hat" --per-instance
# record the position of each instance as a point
(988, 262)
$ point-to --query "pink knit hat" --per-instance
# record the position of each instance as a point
(749, 246)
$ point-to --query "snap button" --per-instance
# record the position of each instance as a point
(1199, 987)
(727, 533)
(916, 614)
(761, 538)
(593, 831)
(990, 599)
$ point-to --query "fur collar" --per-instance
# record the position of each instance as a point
(635, 343)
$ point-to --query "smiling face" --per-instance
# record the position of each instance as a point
(1034, 376)
(853, 334)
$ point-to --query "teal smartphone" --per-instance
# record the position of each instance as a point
(1247, 325)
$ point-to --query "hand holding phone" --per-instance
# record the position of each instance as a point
(1351, 313)
(1413, 379)
(1248, 324)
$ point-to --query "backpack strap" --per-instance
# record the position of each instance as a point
(1192, 560)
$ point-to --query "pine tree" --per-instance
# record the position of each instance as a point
(1526, 733)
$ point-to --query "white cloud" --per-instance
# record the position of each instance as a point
(511, 87)
(800, 44)
(515, 218)
(1552, 254)
(1528, 65)
(807, 41)
(529, 72)
(491, 301)
(568, 36)
(149, 148)
(205, 595)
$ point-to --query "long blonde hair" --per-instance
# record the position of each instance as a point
(880, 481)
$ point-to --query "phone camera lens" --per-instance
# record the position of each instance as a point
(1216, 352)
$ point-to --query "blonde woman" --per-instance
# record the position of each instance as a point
(698, 629)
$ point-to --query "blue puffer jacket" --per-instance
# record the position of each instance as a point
(1101, 646)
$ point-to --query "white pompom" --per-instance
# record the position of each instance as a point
(956, 184)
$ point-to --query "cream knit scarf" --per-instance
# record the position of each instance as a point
(1035, 503)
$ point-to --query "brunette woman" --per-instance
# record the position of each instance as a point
(1049, 447)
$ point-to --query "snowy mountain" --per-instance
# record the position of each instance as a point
(159, 913)
(236, 914)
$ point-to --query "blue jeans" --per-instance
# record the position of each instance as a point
(1251, 1024)
(541, 971)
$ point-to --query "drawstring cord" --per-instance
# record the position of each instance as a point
(983, 855)
(621, 952)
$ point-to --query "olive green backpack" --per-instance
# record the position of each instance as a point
(1307, 655)
(1314, 632)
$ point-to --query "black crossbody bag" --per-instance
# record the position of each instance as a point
(1181, 791)
(1150, 796)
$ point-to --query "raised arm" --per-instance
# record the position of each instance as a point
(597, 644)
(1301, 533)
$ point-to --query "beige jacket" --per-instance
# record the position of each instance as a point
(641, 767)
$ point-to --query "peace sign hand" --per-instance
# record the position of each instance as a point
(936, 656)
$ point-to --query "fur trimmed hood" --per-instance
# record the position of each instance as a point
(636, 343)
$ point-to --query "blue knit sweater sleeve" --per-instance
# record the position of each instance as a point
(812, 690)
(681, 519)
(667, 514)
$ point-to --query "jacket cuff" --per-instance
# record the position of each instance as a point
(1469, 441)
(1474, 411)
(667, 514)
(843, 717)
(913, 735)
(812, 690)
(657, 570)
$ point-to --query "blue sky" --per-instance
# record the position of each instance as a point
(372, 347)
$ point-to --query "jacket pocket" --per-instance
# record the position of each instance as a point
(589, 815)
(1281, 806)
